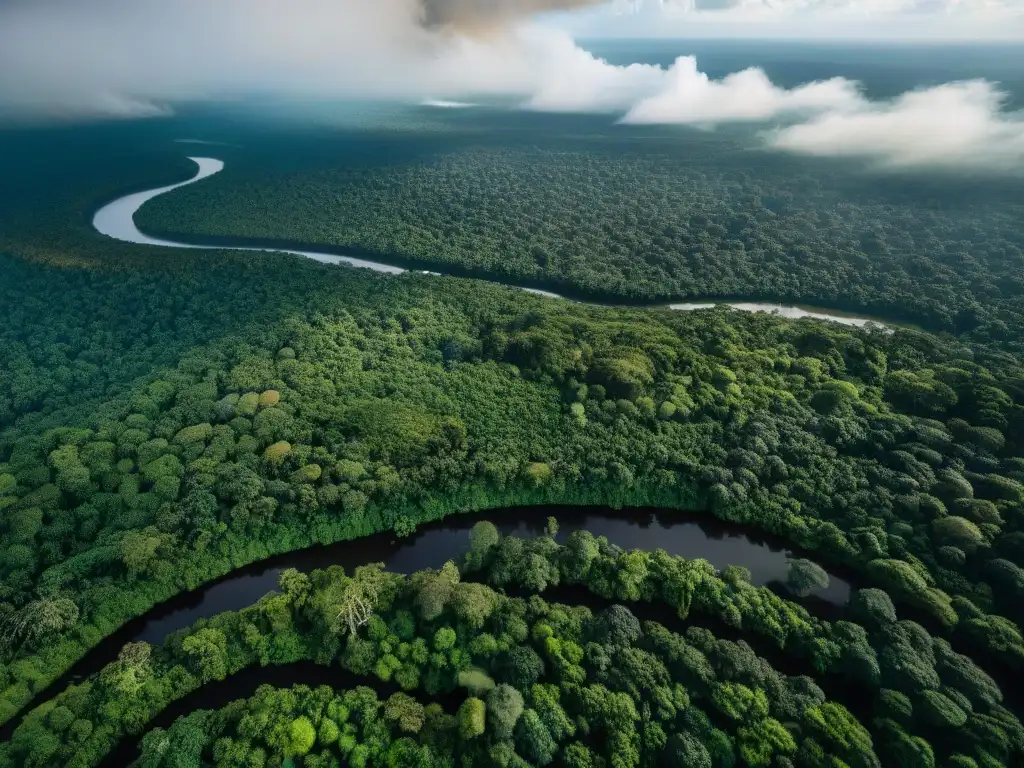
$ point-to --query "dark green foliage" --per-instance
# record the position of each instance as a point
(686, 215)
(938, 710)
(618, 627)
(182, 486)
(686, 751)
(805, 576)
(521, 667)
(633, 686)
(166, 420)
(873, 608)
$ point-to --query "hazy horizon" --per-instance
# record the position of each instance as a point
(124, 59)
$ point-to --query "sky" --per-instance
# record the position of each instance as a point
(132, 59)
(857, 19)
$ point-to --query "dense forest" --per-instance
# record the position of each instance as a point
(634, 217)
(167, 417)
(529, 682)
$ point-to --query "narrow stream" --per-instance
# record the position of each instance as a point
(117, 220)
(432, 545)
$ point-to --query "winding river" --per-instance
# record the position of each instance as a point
(244, 683)
(432, 545)
(766, 557)
(117, 220)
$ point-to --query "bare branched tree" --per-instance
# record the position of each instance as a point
(37, 619)
(359, 599)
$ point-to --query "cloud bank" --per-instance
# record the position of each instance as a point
(74, 58)
(958, 125)
(688, 96)
(70, 59)
(954, 126)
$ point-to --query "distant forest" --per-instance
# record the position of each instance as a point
(632, 214)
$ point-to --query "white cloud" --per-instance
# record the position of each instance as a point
(88, 57)
(446, 104)
(70, 57)
(570, 79)
(130, 58)
(690, 96)
(958, 125)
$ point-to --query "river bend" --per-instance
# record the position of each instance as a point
(767, 558)
(117, 220)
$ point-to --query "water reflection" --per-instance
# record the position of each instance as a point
(688, 535)
(435, 544)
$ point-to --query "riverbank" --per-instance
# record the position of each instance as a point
(690, 535)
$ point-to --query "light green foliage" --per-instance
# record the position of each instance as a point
(328, 733)
(472, 718)
(139, 550)
(579, 413)
(310, 473)
(269, 398)
(472, 603)
(901, 579)
(540, 473)
(435, 589)
(761, 741)
(349, 471)
(247, 404)
(483, 537)
(939, 711)
(406, 712)
(72, 475)
(301, 736)
(24, 524)
(198, 433)
(739, 702)
(476, 681)
(37, 620)
(277, 452)
(504, 707)
(404, 527)
(207, 650)
(958, 531)
(444, 639)
(835, 396)
(295, 585)
(836, 729)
